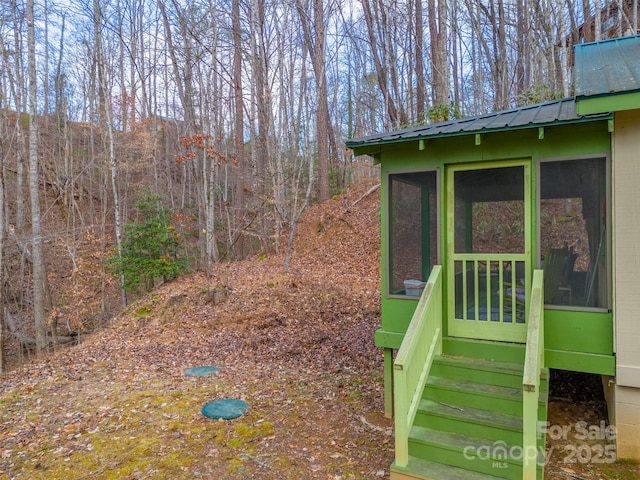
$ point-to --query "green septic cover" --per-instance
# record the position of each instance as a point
(202, 371)
(225, 409)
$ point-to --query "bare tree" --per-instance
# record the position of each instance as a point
(379, 43)
(437, 11)
(39, 313)
(3, 328)
(564, 48)
(183, 78)
(18, 96)
(106, 120)
(421, 97)
(261, 92)
(238, 126)
(523, 47)
(315, 37)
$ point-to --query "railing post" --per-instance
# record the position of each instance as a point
(401, 427)
(529, 440)
(534, 363)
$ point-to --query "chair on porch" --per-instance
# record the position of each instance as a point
(558, 268)
(513, 293)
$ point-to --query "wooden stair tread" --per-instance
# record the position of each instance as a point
(485, 364)
(420, 468)
(478, 388)
(481, 364)
(457, 442)
(488, 372)
(472, 415)
(481, 388)
(450, 439)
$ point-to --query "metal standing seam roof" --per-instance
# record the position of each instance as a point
(607, 67)
(530, 116)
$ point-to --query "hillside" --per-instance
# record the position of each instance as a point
(297, 346)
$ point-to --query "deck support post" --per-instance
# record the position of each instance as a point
(388, 382)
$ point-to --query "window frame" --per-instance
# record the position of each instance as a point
(389, 220)
(608, 228)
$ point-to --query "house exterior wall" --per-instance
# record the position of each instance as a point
(627, 412)
(626, 198)
(626, 203)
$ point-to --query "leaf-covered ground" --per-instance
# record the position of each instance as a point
(297, 346)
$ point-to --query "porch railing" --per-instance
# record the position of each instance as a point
(483, 280)
(421, 343)
(533, 365)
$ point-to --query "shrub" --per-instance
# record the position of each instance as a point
(151, 248)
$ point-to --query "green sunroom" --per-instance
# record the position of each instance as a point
(508, 245)
(492, 214)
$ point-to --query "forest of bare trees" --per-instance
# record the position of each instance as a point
(232, 116)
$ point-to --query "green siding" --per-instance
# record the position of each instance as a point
(558, 141)
(608, 103)
(397, 313)
(387, 339)
(585, 332)
(562, 358)
(580, 362)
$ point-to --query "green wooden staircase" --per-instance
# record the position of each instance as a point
(469, 409)
(469, 422)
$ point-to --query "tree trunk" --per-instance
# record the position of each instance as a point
(502, 82)
(598, 22)
(18, 89)
(421, 96)
(322, 108)
(382, 73)
(439, 52)
(564, 51)
(296, 218)
(262, 92)
(238, 126)
(3, 128)
(522, 48)
(39, 313)
(45, 76)
(106, 120)
(315, 41)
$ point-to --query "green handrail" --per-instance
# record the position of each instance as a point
(533, 365)
(421, 343)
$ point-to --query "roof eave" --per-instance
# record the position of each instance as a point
(611, 102)
(365, 147)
